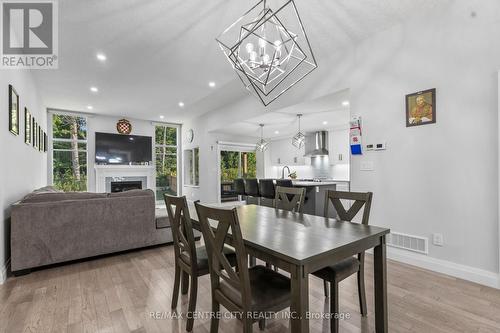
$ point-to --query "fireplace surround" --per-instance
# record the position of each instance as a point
(107, 174)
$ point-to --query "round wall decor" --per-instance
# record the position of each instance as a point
(123, 126)
(190, 136)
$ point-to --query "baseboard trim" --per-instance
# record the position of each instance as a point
(477, 275)
(3, 271)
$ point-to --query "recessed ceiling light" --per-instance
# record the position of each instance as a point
(94, 89)
(345, 103)
(181, 104)
(325, 123)
(101, 57)
(90, 107)
(161, 117)
(211, 84)
(276, 132)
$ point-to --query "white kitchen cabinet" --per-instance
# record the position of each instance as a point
(338, 147)
(282, 152)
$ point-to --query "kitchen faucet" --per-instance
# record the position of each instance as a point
(283, 171)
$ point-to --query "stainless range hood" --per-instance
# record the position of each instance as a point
(317, 144)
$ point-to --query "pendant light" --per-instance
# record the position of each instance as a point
(262, 144)
(299, 138)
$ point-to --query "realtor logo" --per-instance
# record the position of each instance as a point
(29, 34)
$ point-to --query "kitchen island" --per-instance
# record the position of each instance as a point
(314, 203)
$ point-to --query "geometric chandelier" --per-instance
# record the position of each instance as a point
(268, 49)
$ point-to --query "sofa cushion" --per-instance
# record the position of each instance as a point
(60, 196)
(132, 193)
(162, 219)
(45, 189)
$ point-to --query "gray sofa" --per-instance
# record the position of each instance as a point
(49, 226)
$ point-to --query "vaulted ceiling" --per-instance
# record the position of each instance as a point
(160, 52)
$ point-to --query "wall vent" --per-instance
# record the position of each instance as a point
(408, 242)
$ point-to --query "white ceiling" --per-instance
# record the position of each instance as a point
(329, 109)
(163, 51)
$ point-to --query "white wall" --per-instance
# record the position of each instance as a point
(23, 168)
(434, 178)
(106, 124)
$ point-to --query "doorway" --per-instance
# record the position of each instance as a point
(234, 164)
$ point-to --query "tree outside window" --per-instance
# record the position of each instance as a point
(166, 152)
(69, 148)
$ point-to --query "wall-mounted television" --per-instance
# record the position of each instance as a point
(122, 149)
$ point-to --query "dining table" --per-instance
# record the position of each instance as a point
(302, 244)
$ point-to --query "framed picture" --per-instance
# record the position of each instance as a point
(33, 131)
(27, 126)
(421, 108)
(45, 142)
(13, 111)
(39, 138)
(35, 135)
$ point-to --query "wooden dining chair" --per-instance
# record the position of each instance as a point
(244, 291)
(290, 198)
(190, 261)
(345, 268)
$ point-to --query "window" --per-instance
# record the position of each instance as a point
(69, 152)
(235, 164)
(191, 167)
(166, 151)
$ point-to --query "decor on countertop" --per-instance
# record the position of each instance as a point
(299, 139)
(27, 126)
(262, 144)
(293, 175)
(268, 57)
(124, 126)
(13, 111)
(355, 136)
(421, 108)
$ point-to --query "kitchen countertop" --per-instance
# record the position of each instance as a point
(322, 183)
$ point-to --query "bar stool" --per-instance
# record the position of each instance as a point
(267, 191)
(239, 188)
(284, 182)
(252, 189)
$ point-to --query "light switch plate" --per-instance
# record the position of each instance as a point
(437, 239)
(367, 166)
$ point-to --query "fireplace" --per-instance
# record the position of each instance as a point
(123, 186)
(107, 174)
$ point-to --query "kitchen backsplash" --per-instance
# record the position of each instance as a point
(319, 168)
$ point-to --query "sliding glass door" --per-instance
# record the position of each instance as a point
(233, 165)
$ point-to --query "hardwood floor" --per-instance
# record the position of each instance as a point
(119, 294)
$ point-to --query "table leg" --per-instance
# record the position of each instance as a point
(380, 278)
(300, 301)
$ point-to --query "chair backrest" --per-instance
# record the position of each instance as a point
(360, 200)
(215, 238)
(182, 231)
(284, 182)
(290, 198)
(252, 187)
(239, 186)
(267, 189)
